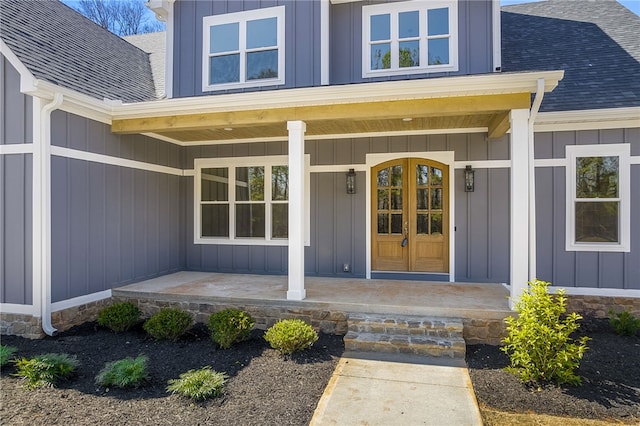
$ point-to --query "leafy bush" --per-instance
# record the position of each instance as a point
(119, 316)
(198, 384)
(290, 335)
(46, 370)
(168, 323)
(624, 323)
(230, 326)
(5, 354)
(127, 372)
(538, 343)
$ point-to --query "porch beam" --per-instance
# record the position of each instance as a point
(519, 172)
(431, 107)
(499, 125)
(296, 289)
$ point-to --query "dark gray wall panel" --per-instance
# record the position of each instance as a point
(75, 132)
(302, 44)
(112, 225)
(17, 109)
(474, 42)
(581, 269)
(482, 227)
(16, 276)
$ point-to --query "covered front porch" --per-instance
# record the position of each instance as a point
(481, 308)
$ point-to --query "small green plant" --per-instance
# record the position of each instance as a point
(168, 323)
(290, 335)
(6, 352)
(119, 317)
(198, 384)
(124, 373)
(230, 326)
(538, 343)
(624, 323)
(46, 370)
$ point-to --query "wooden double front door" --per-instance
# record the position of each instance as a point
(410, 216)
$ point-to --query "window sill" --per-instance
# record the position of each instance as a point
(602, 247)
(244, 242)
(252, 84)
(409, 71)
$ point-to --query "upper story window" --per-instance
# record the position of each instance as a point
(598, 198)
(409, 38)
(244, 49)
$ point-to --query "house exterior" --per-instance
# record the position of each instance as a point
(441, 140)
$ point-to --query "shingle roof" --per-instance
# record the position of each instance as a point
(597, 43)
(154, 45)
(59, 45)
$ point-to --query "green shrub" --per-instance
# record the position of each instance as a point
(46, 370)
(119, 316)
(168, 323)
(291, 335)
(538, 343)
(127, 372)
(198, 384)
(5, 354)
(624, 323)
(230, 326)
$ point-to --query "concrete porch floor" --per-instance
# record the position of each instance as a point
(437, 299)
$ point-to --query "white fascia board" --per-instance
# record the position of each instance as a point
(590, 119)
(485, 84)
(27, 80)
(76, 102)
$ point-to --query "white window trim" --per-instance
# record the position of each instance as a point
(242, 18)
(623, 151)
(232, 163)
(394, 9)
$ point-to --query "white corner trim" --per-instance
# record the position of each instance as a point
(14, 308)
(114, 161)
(27, 80)
(168, 54)
(496, 34)
(16, 148)
(325, 28)
(80, 300)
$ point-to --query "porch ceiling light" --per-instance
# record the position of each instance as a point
(407, 119)
(228, 129)
(351, 181)
(469, 179)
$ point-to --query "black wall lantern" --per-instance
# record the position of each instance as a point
(469, 179)
(351, 181)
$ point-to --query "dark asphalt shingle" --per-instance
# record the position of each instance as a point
(59, 45)
(596, 43)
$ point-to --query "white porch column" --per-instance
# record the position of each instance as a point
(519, 119)
(296, 210)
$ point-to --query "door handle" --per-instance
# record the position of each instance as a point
(405, 240)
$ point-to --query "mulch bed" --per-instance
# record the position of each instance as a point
(264, 387)
(610, 372)
(267, 389)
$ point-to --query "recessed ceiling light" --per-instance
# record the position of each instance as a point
(407, 119)
(228, 129)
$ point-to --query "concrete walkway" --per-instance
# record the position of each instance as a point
(382, 389)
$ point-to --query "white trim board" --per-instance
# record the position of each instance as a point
(14, 308)
(16, 148)
(114, 161)
(80, 300)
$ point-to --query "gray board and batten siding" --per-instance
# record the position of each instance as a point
(338, 222)
(15, 190)
(575, 268)
(111, 225)
(302, 44)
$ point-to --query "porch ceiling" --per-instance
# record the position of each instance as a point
(462, 112)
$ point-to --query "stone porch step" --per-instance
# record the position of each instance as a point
(427, 336)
